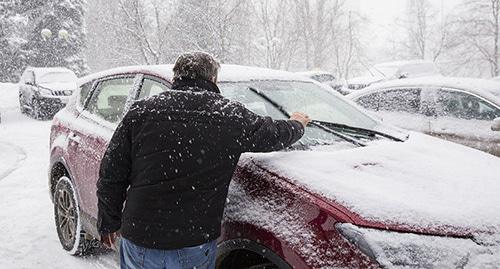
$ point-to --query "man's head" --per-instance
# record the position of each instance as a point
(196, 65)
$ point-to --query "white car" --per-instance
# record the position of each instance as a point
(463, 110)
(45, 91)
(393, 70)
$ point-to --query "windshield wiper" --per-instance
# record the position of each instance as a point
(313, 123)
(357, 130)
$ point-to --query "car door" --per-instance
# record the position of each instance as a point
(466, 118)
(106, 107)
(401, 107)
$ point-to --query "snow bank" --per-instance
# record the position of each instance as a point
(424, 182)
(9, 93)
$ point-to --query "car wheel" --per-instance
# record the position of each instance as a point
(67, 218)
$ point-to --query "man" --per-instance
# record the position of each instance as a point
(171, 159)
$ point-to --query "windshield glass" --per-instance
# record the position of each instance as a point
(306, 97)
(57, 77)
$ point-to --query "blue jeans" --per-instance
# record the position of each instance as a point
(133, 256)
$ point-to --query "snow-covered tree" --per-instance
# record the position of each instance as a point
(478, 31)
(12, 58)
(55, 33)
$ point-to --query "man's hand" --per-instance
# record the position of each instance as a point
(301, 117)
(109, 239)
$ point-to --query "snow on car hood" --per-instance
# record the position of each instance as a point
(423, 183)
(59, 86)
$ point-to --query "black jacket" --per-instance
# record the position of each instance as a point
(172, 158)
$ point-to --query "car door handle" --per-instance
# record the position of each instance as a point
(75, 138)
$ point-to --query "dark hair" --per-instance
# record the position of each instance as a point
(196, 65)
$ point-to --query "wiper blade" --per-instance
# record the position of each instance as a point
(313, 123)
(358, 130)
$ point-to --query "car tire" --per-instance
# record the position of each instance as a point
(67, 219)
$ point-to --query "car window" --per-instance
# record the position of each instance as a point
(323, 77)
(29, 77)
(369, 101)
(109, 103)
(84, 92)
(464, 106)
(151, 87)
(399, 100)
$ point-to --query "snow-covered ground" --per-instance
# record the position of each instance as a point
(28, 238)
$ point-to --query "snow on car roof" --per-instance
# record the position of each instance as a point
(313, 73)
(424, 182)
(226, 74)
(402, 63)
(485, 88)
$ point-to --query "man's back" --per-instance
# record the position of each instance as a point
(185, 146)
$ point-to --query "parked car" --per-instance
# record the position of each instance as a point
(325, 78)
(45, 91)
(353, 193)
(393, 70)
(462, 110)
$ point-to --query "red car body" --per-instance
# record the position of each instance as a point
(268, 220)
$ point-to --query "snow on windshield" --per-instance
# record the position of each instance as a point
(423, 182)
(57, 77)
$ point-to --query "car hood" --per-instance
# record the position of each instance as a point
(59, 86)
(422, 184)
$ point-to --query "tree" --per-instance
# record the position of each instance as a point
(427, 35)
(478, 28)
(55, 35)
(12, 59)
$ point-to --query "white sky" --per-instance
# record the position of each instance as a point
(383, 13)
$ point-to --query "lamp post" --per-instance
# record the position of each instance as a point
(53, 46)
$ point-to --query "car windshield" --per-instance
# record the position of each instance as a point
(306, 97)
(57, 77)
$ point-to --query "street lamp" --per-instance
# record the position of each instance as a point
(47, 34)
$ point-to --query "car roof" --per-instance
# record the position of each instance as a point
(314, 73)
(482, 87)
(403, 63)
(228, 73)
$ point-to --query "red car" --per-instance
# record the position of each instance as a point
(353, 193)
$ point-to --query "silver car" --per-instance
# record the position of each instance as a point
(463, 110)
(45, 91)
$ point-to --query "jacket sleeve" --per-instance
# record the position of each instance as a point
(114, 178)
(263, 134)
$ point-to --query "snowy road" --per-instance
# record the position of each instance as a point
(28, 238)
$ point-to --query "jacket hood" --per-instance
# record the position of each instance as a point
(421, 184)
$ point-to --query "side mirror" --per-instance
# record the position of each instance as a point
(496, 125)
(403, 75)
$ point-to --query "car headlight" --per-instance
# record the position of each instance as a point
(406, 250)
